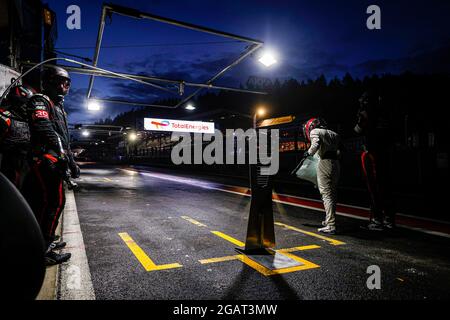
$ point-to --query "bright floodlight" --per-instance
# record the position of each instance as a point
(190, 107)
(85, 133)
(267, 59)
(93, 106)
(261, 112)
(132, 136)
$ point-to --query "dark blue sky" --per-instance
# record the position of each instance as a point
(309, 37)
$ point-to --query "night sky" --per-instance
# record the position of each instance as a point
(309, 38)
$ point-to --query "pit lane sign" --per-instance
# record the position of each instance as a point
(178, 125)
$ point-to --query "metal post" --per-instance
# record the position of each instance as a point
(260, 237)
(111, 8)
(101, 28)
(260, 229)
(252, 49)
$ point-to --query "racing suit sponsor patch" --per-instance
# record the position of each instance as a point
(42, 114)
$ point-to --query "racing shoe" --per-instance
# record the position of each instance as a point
(375, 225)
(52, 258)
(56, 245)
(389, 224)
(328, 229)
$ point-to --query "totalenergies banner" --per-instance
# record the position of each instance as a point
(178, 125)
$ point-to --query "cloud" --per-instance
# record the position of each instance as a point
(75, 100)
(308, 65)
(431, 61)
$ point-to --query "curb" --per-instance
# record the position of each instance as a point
(74, 278)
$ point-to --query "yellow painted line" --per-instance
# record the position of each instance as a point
(228, 238)
(193, 221)
(267, 272)
(236, 257)
(261, 269)
(107, 179)
(220, 259)
(302, 248)
(334, 242)
(142, 257)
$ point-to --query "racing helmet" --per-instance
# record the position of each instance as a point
(19, 95)
(311, 124)
(55, 81)
(17, 98)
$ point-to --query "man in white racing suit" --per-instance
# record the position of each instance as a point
(326, 144)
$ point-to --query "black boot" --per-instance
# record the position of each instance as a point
(56, 245)
(52, 258)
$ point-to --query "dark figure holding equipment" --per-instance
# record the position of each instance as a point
(51, 157)
(373, 123)
(15, 134)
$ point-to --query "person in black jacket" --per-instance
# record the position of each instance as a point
(374, 124)
(51, 157)
(15, 134)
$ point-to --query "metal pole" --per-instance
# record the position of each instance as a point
(141, 104)
(143, 15)
(153, 78)
(101, 28)
(242, 57)
(72, 61)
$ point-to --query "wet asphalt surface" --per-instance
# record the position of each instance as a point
(149, 205)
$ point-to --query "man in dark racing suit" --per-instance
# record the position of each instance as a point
(374, 124)
(51, 157)
(15, 134)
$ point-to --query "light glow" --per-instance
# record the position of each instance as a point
(132, 136)
(93, 106)
(261, 112)
(267, 59)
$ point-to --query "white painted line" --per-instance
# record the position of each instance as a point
(74, 281)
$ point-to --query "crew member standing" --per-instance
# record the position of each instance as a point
(326, 144)
(52, 157)
(15, 134)
(374, 124)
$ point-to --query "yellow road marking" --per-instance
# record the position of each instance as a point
(228, 238)
(261, 269)
(302, 248)
(236, 257)
(107, 179)
(220, 259)
(193, 221)
(334, 242)
(267, 272)
(143, 258)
